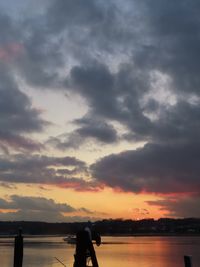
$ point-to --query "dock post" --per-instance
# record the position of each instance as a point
(18, 249)
(188, 261)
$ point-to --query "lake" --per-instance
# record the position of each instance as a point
(114, 252)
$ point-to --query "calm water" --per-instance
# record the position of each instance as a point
(115, 252)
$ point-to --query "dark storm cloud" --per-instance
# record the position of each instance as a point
(65, 172)
(181, 206)
(154, 168)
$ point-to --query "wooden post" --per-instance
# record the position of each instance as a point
(93, 256)
(18, 250)
(188, 261)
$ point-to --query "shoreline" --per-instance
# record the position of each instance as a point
(114, 235)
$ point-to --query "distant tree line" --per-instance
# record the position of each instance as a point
(106, 227)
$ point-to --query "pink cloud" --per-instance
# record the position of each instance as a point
(81, 185)
(10, 51)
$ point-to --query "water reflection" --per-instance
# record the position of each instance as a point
(114, 252)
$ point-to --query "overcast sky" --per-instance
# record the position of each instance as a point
(99, 109)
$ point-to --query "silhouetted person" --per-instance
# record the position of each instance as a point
(85, 248)
(18, 249)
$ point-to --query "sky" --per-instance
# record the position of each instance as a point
(99, 109)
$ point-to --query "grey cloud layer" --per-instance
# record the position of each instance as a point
(154, 168)
(134, 63)
(88, 129)
(138, 31)
(34, 204)
(39, 209)
(174, 29)
(184, 206)
(18, 117)
(66, 172)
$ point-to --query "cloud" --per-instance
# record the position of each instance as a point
(117, 95)
(179, 206)
(46, 37)
(44, 216)
(86, 210)
(110, 95)
(137, 212)
(114, 88)
(18, 117)
(78, 13)
(16, 110)
(39, 209)
(34, 204)
(135, 64)
(121, 97)
(89, 129)
(174, 42)
(65, 172)
(10, 32)
(8, 185)
(161, 169)
(18, 143)
(97, 129)
(10, 51)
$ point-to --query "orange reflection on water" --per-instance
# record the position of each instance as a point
(114, 252)
(144, 252)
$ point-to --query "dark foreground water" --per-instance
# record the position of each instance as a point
(114, 252)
